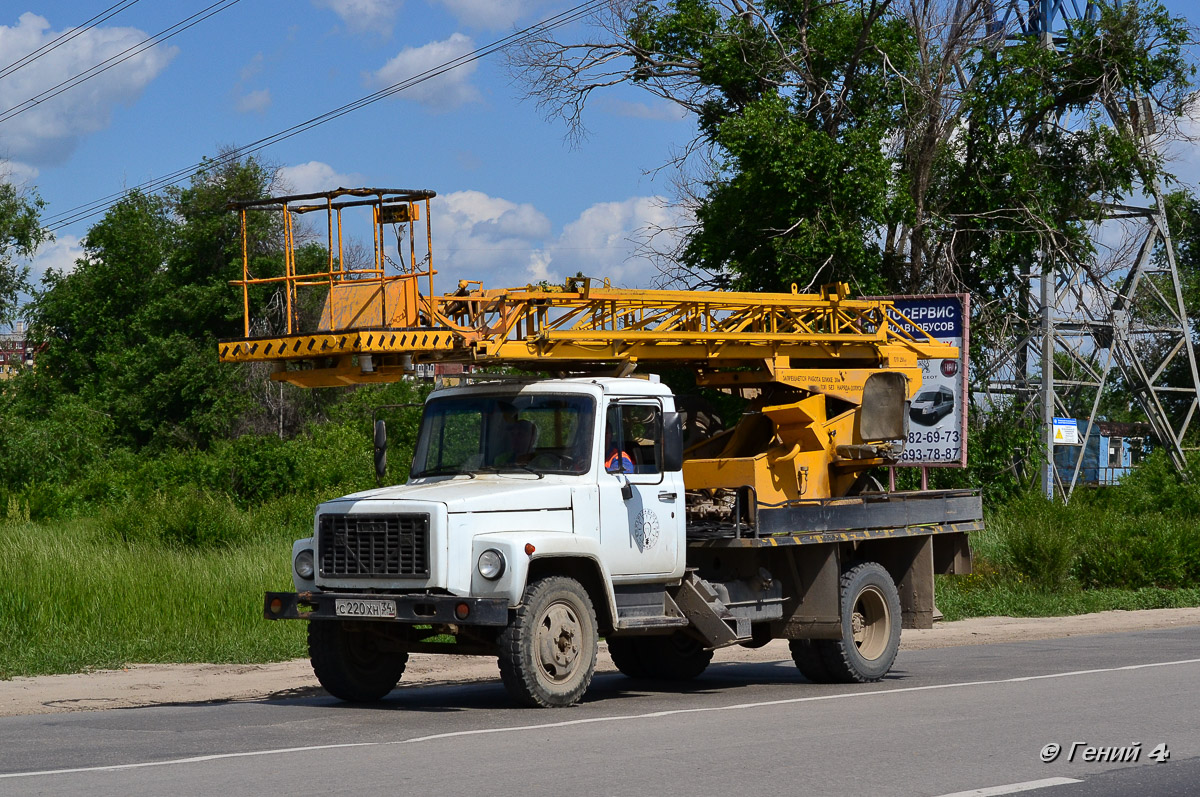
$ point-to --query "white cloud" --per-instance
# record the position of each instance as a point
(252, 67)
(47, 134)
(505, 244)
(60, 255)
(606, 241)
(1183, 157)
(315, 176)
(254, 102)
(492, 14)
(442, 93)
(364, 16)
(480, 237)
(19, 174)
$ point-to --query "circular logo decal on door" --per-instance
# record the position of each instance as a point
(645, 529)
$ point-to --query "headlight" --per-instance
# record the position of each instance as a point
(304, 564)
(491, 564)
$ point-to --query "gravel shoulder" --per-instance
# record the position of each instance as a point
(173, 684)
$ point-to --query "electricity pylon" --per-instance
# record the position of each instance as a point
(1082, 319)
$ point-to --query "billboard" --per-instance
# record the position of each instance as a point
(937, 428)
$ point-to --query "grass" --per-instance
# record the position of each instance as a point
(958, 598)
(179, 576)
(75, 596)
(1110, 549)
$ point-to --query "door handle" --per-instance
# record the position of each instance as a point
(667, 496)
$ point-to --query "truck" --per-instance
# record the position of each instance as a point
(575, 497)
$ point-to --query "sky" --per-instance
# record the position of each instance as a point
(517, 202)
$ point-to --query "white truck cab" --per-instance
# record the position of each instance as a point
(520, 471)
(510, 480)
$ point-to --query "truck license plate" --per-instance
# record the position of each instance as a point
(364, 608)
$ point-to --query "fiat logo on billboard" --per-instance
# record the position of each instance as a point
(949, 367)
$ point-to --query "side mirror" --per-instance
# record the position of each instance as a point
(672, 441)
(380, 451)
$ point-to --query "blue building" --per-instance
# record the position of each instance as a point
(1110, 452)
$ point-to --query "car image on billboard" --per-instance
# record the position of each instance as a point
(930, 406)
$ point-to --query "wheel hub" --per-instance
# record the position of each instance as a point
(870, 623)
(558, 642)
(858, 625)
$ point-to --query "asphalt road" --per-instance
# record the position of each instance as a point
(945, 721)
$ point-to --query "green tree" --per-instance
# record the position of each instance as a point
(85, 314)
(20, 235)
(133, 328)
(795, 102)
(208, 251)
(1183, 218)
(895, 144)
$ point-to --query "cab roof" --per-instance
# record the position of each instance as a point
(592, 385)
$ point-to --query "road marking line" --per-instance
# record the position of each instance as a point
(593, 720)
(1013, 788)
(192, 759)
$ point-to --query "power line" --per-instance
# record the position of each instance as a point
(66, 36)
(57, 221)
(121, 57)
(83, 211)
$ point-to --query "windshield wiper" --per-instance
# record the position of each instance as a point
(444, 470)
(506, 468)
(520, 466)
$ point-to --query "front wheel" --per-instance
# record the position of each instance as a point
(548, 650)
(350, 662)
(870, 617)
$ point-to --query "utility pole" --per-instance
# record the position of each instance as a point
(1048, 297)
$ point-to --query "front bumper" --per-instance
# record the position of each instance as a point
(410, 609)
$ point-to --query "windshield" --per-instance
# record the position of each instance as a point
(539, 433)
(930, 395)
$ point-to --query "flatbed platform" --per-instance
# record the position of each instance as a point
(873, 516)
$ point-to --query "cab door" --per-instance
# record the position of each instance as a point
(641, 507)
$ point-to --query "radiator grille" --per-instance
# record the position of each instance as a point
(373, 546)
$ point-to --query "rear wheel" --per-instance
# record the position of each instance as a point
(548, 651)
(809, 655)
(870, 617)
(350, 661)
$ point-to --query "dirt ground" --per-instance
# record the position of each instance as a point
(161, 684)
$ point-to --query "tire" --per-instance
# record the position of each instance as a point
(678, 657)
(870, 615)
(760, 637)
(548, 650)
(350, 663)
(627, 654)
